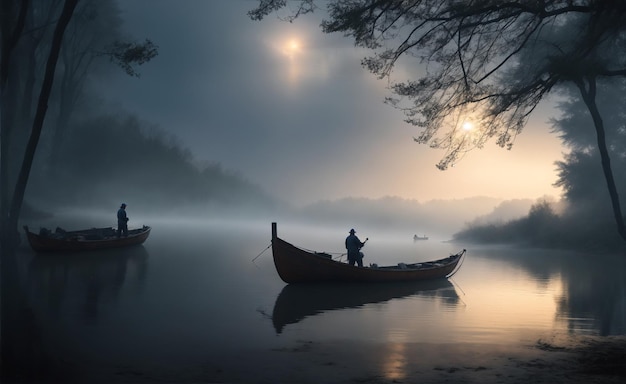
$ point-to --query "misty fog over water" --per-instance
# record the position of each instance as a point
(235, 124)
(203, 294)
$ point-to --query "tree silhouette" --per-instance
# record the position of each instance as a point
(93, 35)
(27, 29)
(11, 299)
(485, 61)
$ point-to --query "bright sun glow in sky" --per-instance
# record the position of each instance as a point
(292, 47)
(314, 120)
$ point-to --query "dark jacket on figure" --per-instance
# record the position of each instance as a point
(121, 216)
(353, 245)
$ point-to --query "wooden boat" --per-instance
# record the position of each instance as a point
(297, 302)
(295, 265)
(84, 240)
(416, 238)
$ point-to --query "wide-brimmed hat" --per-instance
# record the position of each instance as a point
(352, 230)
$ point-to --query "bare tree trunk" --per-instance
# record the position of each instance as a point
(11, 31)
(66, 101)
(9, 297)
(42, 107)
(588, 93)
(14, 330)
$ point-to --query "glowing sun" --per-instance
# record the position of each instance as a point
(467, 126)
(292, 47)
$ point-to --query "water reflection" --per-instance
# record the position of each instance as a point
(299, 301)
(192, 296)
(592, 288)
(594, 295)
(95, 278)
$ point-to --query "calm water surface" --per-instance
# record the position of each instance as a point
(206, 291)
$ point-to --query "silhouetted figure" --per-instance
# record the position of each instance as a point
(354, 245)
(122, 221)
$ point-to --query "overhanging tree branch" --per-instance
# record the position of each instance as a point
(489, 60)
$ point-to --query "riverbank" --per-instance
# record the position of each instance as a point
(575, 360)
(572, 360)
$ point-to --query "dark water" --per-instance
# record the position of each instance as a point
(197, 298)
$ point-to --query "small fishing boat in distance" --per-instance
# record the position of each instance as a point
(84, 240)
(416, 237)
(295, 265)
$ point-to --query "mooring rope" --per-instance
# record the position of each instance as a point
(262, 252)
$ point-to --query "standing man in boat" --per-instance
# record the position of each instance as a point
(122, 221)
(354, 245)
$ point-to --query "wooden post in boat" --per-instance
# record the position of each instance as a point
(274, 231)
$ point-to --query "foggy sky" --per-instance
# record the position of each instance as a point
(292, 110)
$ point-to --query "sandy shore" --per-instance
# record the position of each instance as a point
(563, 360)
(579, 360)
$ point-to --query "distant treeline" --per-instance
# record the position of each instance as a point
(543, 227)
(586, 221)
(106, 160)
(91, 154)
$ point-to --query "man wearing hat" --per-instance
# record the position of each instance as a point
(122, 221)
(354, 245)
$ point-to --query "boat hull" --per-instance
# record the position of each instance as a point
(85, 240)
(295, 265)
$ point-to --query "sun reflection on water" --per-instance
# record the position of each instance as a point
(394, 365)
